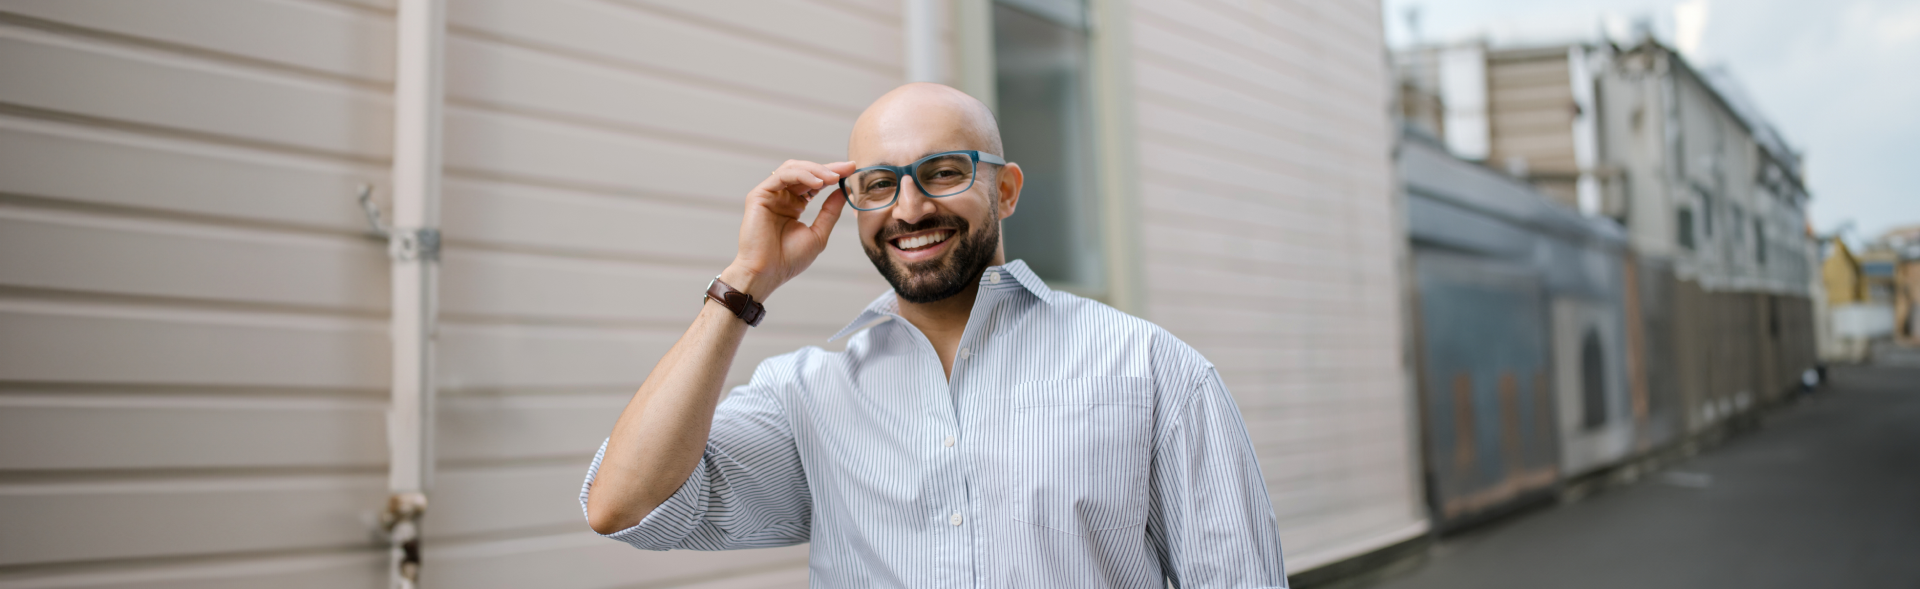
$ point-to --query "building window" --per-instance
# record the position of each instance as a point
(1683, 221)
(1042, 87)
(1706, 215)
(1593, 382)
(1736, 224)
(1759, 242)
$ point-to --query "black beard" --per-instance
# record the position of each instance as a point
(939, 278)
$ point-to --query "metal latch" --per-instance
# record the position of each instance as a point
(406, 245)
(401, 521)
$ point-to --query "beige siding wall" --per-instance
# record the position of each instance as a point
(193, 354)
(597, 152)
(193, 351)
(1269, 239)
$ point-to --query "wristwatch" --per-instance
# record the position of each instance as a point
(742, 304)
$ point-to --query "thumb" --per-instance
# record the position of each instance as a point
(829, 215)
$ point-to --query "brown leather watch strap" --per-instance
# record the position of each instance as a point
(742, 304)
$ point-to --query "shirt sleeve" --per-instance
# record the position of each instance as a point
(748, 491)
(1212, 521)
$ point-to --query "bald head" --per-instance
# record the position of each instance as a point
(922, 118)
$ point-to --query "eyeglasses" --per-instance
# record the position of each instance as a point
(942, 174)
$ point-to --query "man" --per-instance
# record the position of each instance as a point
(980, 430)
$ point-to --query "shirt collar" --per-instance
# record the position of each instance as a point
(1014, 276)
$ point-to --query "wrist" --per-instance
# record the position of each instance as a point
(746, 281)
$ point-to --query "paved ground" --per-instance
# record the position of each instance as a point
(1826, 494)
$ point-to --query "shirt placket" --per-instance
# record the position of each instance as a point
(964, 400)
(949, 511)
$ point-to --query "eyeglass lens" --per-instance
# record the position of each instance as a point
(942, 175)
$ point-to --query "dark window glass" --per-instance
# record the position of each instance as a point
(1593, 382)
(1773, 318)
(1041, 58)
(1683, 221)
(1706, 216)
(1759, 242)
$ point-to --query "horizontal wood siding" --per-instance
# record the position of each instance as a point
(1269, 243)
(597, 154)
(193, 321)
(193, 348)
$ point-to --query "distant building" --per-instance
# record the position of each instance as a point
(1890, 279)
(1698, 177)
(1711, 288)
(1851, 320)
(1529, 112)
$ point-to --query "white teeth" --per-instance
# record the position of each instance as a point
(920, 241)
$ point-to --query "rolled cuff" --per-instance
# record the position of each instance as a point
(668, 525)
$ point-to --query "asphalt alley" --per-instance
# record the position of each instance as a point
(1826, 493)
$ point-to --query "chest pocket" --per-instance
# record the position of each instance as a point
(1082, 449)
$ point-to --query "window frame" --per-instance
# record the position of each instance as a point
(1115, 189)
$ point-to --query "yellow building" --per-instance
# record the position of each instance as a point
(1841, 274)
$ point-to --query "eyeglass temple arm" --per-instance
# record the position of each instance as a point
(991, 159)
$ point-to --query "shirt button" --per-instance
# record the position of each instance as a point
(993, 278)
(955, 520)
(966, 353)
(947, 442)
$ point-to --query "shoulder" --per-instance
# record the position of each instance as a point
(1086, 315)
(1169, 361)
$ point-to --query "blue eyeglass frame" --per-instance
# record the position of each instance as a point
(908, 171)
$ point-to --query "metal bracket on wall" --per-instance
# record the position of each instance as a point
(401, 522)
(402, 244)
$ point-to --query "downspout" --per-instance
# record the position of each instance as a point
(923, 42)
(414, 247)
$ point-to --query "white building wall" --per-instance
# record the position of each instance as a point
(1268, 244)
(1671, 138)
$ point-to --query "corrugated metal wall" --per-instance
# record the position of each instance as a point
(193, 357)
(1269, 240)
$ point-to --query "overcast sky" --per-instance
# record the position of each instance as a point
(1840, 79)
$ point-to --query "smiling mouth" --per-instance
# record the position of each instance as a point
(921, 241)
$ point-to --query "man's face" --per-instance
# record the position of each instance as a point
(930, 249)
(936, 254)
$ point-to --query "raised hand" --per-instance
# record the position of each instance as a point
(775, 246)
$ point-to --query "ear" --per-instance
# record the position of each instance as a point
(1010, 180)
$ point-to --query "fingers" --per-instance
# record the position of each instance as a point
(807, 178)
(798, 182)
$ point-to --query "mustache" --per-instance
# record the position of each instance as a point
(897, 228)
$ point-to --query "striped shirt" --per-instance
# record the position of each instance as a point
(1073, 446)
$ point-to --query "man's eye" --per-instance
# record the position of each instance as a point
(947, 173)
(880, 184)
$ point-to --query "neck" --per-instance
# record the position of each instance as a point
(945, 321)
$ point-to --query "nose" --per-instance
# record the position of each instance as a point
(912, 204)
